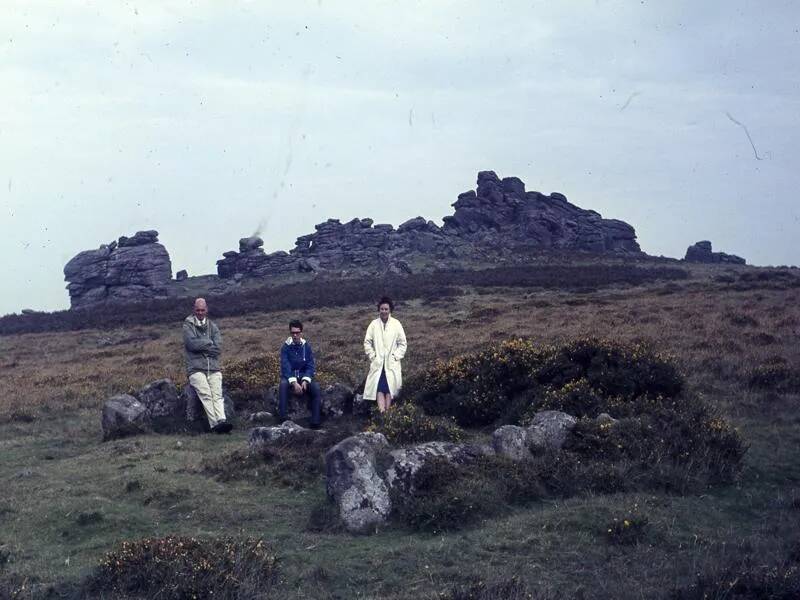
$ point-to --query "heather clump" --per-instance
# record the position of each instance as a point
(408, 424)
(175, 568)
(774, 376)
(247, 379)
(510, 379)
(638, 429)
(476, 389)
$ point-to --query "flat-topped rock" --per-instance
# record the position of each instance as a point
(127, 270)
(701, 253)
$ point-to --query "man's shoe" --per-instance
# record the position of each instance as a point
(224, 427)
(315, 426)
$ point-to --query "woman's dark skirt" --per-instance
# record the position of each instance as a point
(383, 385)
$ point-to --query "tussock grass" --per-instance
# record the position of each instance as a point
(56, 468)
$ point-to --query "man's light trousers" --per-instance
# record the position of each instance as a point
(209, 390)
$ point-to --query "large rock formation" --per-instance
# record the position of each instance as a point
(498, 219)
(501, 214)
(701, 253)
(129, 269)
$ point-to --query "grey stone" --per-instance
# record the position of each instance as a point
(353, 483)
(336, 400)
(182, 275)
(406, 462)
(511, 441)
(133, 269)
(701, 253)
(605, 420)
(260, 436)
(123, 415)
(250, 243)
(362, 407)
(260, 417)
(161, 398)
(194, 408)
(549, 429)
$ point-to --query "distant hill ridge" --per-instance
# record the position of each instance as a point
(497, 223)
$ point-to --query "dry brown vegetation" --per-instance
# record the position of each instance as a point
(732, 333)
(719, 333)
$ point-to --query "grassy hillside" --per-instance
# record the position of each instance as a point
(69, 499)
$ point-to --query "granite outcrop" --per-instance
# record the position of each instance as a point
(129, 269)
(701, 253)
(499, 221)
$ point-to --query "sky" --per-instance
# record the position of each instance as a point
(210, 121)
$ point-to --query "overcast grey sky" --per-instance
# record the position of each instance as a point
(208, 120)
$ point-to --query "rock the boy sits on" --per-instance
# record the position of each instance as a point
(297, 374)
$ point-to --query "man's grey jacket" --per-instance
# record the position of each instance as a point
(203, 345)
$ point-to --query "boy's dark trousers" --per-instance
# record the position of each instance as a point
(312, 395)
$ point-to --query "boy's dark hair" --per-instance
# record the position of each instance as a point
(294, 323)
(386, 300)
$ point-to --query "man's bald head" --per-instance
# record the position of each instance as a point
(200, 308)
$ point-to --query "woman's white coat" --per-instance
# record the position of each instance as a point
(385, 346)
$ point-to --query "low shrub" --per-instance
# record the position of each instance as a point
(660, 437)
(294, 461)
(180, 567)
(408, 424)
(476, 389)
(774, 376)
(247, 380)
(614, 369)
(450, 496)
(677, 445)
(507, 380)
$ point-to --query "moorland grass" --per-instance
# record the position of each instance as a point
(53, 385)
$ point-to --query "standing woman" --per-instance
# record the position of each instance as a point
(385, 346)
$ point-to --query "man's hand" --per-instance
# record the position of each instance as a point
(297, 389)
(304, 385)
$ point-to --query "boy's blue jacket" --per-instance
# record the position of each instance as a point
(297, 361)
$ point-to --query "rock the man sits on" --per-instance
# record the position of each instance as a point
(297, 374)
(202, 342)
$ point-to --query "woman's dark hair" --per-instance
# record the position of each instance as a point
(386, 300)
(294, 323)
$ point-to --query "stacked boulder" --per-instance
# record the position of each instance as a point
(701, 253)
(127, 270)
(251, 260)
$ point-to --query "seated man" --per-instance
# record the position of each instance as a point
(202, 343)
(297, 374)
